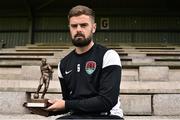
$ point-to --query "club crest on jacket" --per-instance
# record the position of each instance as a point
(90, 67)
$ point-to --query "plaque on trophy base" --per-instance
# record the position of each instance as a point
(38, 103)
(38, 106)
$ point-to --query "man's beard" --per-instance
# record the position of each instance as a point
(81, 42)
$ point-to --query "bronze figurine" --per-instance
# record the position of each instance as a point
(46, 76)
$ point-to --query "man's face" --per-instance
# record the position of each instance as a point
(81, 29)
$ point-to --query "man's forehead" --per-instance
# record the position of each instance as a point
(80, 19)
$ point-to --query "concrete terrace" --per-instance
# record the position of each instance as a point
(150, 84)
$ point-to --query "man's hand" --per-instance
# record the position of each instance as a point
(57, 105)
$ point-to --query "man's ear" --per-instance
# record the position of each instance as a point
(94, 28)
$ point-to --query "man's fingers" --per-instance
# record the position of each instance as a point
(52, 107)
(56, 105)
(51, 101)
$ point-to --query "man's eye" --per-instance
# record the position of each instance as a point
(83, 25)
(73, 26)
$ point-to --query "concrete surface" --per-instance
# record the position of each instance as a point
(38, 117)
(136, 104)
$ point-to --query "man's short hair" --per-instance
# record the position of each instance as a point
(81, 10)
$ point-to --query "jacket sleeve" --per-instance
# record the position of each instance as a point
(108, 89)
(64, 90)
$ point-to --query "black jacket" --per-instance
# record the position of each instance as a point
(90, 82)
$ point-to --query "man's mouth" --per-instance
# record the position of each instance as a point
(79, 37)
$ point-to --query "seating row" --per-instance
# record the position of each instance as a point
(150, 78)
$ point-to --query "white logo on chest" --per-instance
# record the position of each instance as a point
(67, 72)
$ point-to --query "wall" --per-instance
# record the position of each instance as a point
(121, 29)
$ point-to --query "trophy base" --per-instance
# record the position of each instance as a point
(38, 106)
(37, 103)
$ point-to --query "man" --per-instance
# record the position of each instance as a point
(46, 76)
(90, 75)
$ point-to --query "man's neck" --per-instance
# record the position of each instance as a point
(81, 50)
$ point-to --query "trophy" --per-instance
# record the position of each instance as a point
(38, 104)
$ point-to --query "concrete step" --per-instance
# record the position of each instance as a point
(133, 87)
(161, 71)
(26, 53)
(38, 117)
(25, 117)
(24, 85)
(137, 98)
(152, 117)
(48, 47)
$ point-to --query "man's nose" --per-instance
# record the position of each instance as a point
(79, 28)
